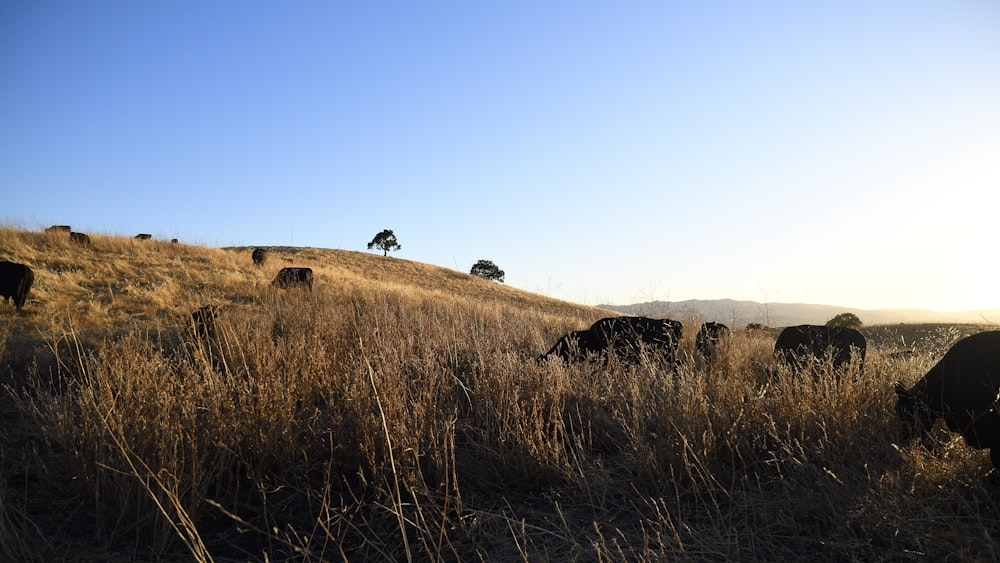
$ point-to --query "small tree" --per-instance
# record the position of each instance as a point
(487, 269)
(849, 320)
(385, 241)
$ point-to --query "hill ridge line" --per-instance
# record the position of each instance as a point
(742, 312)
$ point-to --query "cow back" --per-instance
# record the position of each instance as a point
(79, 238)
(963, 387)
(15, 282)
(709, 336)
(625, 335)
(291, 277)
(796, 344)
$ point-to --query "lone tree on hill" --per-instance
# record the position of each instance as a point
(385, 241)
(487, 269)
(849, 320)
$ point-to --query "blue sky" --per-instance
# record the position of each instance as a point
(843, 153)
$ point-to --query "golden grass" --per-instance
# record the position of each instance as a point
(397, 413)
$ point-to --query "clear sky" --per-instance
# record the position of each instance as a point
(843, 153)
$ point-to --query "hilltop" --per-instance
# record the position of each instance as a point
(120, 282)
(345, 266)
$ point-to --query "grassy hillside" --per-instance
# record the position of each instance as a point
(121, 284)
(396, 413)
(117, 280)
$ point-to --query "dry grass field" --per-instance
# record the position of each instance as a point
(397, 413)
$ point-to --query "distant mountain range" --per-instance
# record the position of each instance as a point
(740, 313)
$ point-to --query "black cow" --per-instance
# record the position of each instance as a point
(143, 236)
(258, 256)
(15, 282)
(292, 277)
(710, 335)
(797, 345)
(622, 336)
(962, 389)
(79, 238)
(58, 229)
(203, 321)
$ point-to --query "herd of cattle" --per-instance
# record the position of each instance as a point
(963, 388)
(84, 239)
(625, 338)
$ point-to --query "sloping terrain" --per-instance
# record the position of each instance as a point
(120, 284)
(119, 280)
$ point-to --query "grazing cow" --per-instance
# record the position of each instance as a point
(258, 256)
(291, 277)
(58, 229)
(143, 236)
(622, 336)
(962, 389)
(796, 345)
(710, 335)
(79, 238)
(203, 321)
(15, 282)
(173, 241)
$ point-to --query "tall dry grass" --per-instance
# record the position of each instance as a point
(397, 413)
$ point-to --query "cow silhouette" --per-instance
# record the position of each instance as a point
(294, 277)
(962, 388)
(799, 346)
(15, 282)
(79, 238)
(709, 336)
(258, 256)
(623, 337)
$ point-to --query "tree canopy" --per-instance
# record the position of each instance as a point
(487, 269)
(849, 320)
(385, 241)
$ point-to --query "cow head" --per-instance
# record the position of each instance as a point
(913, 412)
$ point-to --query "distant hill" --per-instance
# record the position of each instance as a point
(740, 313)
